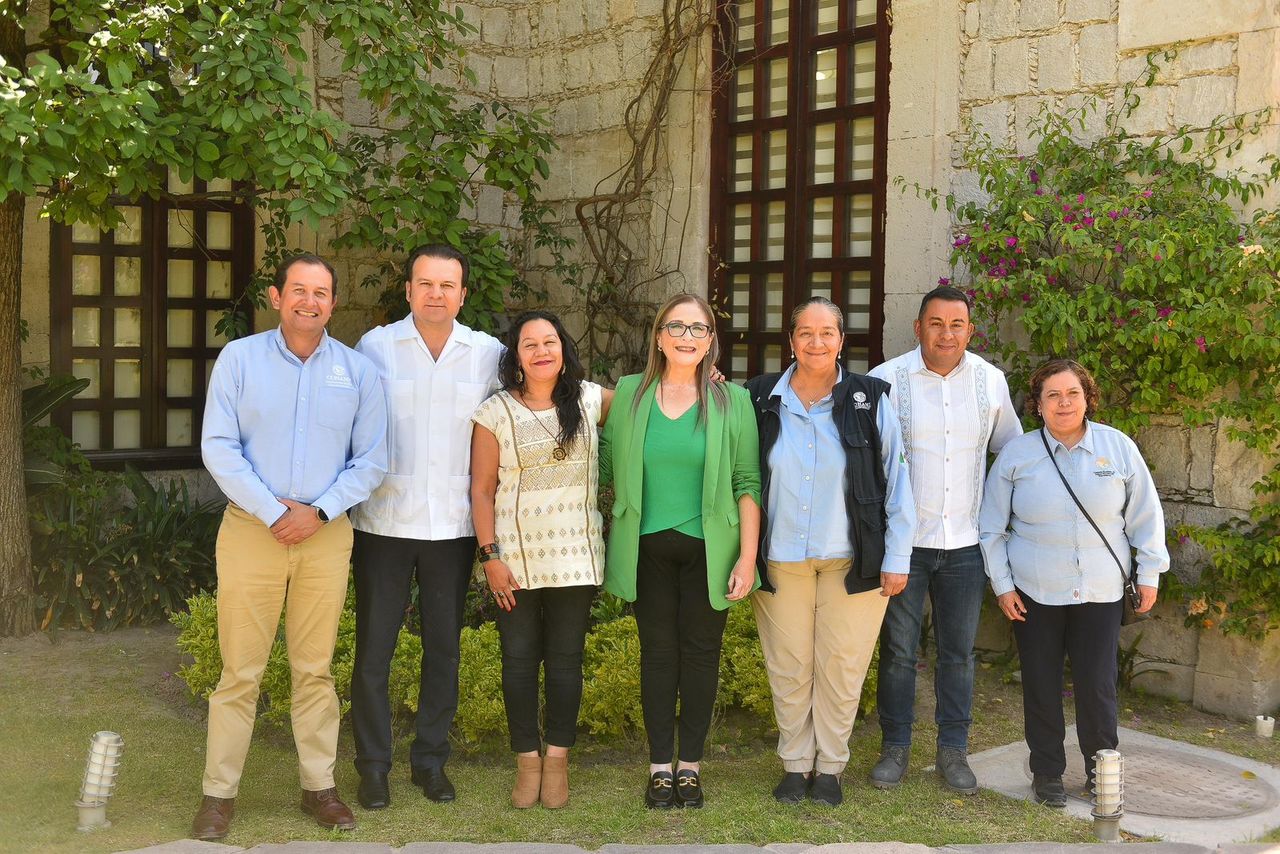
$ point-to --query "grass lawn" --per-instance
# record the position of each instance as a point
(58, 690)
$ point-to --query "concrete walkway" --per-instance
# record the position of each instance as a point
(188, 846)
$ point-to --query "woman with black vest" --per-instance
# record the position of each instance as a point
(833, 547)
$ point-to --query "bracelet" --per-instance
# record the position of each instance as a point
(488, 552)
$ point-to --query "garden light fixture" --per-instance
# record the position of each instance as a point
(1264, 726)
(100, 773)
(1108, 794)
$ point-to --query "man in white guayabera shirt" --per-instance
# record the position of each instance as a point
(954, 407)
(418, 523)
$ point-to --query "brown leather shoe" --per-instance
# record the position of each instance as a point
(213, 819)
(328, 809)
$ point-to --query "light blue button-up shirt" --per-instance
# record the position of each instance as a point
(807, 513)
(1035, 538)
(276, 426)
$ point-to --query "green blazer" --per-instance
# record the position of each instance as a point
(732, 470)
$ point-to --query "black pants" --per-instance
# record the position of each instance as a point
(384, 567)
(546, 628)
(1089, 635)
(680, 637)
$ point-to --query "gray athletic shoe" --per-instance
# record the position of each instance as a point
(953, 768)
(892, 765)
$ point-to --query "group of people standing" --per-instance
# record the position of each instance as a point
(444, 443)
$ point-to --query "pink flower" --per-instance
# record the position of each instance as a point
(1146, 194)
(962, 240)
(1118, 248)
(1026, 297)
(1115, 215)
(1068, 217)
(1088, 221)
(1034, 176)
(986, 226)
(1066, 208)
(1080, 198)
(972, 293)
(1183, 540)
(1011, 242)
(1201, 345)
(1124, 212)
(1039, 191)
(1053, 280)
(944, 281)
(1157, 257)
(1164, 312)
(1077, 227)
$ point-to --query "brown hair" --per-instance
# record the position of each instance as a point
(1092, 397)
(656, 364)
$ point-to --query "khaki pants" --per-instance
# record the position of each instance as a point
(256, 578)
(817, 642)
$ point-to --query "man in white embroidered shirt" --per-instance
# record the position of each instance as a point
(954, 407)
(418, 523)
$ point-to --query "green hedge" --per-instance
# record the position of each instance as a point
(611, 671)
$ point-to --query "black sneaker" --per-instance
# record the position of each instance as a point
(660, 793)
(792, 789)
(688, 789)
(1049, 791)
(825, 789)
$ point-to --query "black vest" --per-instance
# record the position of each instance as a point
(855, 399)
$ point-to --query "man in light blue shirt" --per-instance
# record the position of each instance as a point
(294, 434)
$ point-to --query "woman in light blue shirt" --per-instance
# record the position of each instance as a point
(1052, 574)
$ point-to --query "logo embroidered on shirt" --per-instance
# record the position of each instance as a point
(1104, 467)
(338, 378)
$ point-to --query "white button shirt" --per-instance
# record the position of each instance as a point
(948, 425)
(426, 494)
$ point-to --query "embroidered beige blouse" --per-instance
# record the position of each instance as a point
(547, 522)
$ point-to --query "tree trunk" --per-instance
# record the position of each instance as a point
(17, 616)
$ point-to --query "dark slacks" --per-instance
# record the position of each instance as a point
(680, 638)
(1088, 634)
(384, 568)
(545, 630)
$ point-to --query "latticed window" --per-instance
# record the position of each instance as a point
(798, 166)
(134, 311)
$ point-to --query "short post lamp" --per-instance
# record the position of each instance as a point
(1108, 794)
(105, 749)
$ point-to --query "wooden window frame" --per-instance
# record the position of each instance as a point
(798, 194)
(154, 300)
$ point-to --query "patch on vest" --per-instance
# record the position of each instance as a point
(860, 401)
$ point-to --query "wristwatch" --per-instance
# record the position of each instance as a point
(488, 551)
(324, 517)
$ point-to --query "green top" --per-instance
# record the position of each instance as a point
(675, 452)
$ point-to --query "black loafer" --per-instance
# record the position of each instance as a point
(434, 784)
(1049, 791)
(825, 789)
(660, 793)
(792, 789)
(374, 792)
(688, 789)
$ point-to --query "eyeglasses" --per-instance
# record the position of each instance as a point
(677, 329)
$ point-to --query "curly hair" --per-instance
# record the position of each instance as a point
(1092, 396)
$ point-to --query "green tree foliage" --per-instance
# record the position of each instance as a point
(1130, 255)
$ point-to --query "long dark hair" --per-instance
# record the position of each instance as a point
(567, 395)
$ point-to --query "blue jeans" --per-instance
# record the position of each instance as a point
(955, 580)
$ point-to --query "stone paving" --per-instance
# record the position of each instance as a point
(188, 846)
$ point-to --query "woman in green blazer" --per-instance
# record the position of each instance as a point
(683, 455)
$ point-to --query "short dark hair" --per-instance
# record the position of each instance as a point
(437, 250)
(1092, 395)
(947, 293)
(282, 272)
(567, 394)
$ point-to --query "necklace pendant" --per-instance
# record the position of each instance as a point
(559, 453)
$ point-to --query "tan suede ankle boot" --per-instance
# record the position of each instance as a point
(555, 782)
(528, 782)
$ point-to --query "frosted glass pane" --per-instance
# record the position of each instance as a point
(773, 291)
(177, 377)
(88, 369)
(81, 233)
(820, 285)
(128, 378)
(177, 432)
(777, 166)
(181, 278)
(177, 185)
(211, 336)
(824, 79)
(181, 229)
(218, 230)
(742, 232)
(741, 163)
(219, 185)
(84, 430)
(824, 154)
(779, 23)
(85, 327)
(746, 24)
(217, 283)
(777, 77)
(864, 72)
(775, 246)
(86, 275)
(860, 226)
(128, 327)
(773, 358)
(179, 326)
(865, 13)
(744, 94)
(857, 301)
(862, 148)
(128, 429)
(828, 17)
(128, 277)
(858, 360)
(820, 245)
(129, 232)
(741, 287)
(738, 364)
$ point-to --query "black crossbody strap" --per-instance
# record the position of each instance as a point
(1128, 582)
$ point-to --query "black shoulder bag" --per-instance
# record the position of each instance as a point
(1132, 598)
